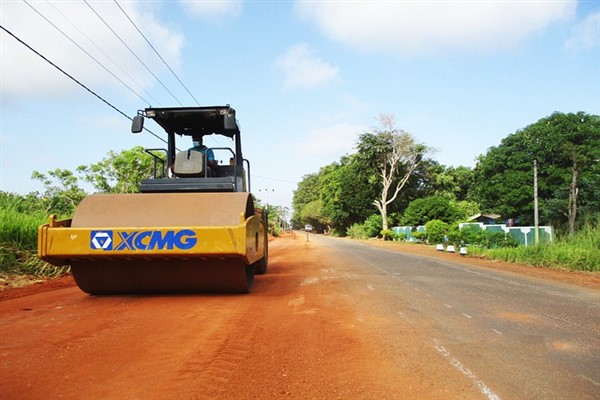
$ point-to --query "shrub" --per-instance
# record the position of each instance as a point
(357, 231)
(397, 237)
(436, 230)
(455, 235)
(425, 209)
(373, 225)
(419, 236)
(388, 234)
(493, 240)
(470, 234)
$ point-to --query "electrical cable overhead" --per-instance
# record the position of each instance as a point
(86, 52)
(132, 52)
(103, 52)
(156, 51)
(76, 81)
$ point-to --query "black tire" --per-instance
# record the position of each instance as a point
(260, 267)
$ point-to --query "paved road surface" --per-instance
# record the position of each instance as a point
(514, 336)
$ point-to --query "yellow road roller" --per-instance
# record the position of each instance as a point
(193, 228)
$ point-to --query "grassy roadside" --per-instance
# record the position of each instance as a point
(578, 253)
(18, 248)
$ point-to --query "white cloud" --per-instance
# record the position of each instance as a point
(328, 143)
(413, 28)
(303, 69)
(213, 10)
(24, 74)
(586, 34)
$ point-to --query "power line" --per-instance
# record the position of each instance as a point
(132, 52)
(88, 54)
(155, 51)
(103, 52)
(76, 81)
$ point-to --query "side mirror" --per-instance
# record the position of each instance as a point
(137, 124)
(230, 123)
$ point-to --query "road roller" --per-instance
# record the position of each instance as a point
(192, 228)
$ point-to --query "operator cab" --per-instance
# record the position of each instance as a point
(187, 170)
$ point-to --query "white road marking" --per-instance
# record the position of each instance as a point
(458, 365)
(404, 317)
(593, 382)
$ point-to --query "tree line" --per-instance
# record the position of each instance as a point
(391, 179)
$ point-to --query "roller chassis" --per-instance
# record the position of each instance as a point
(180, 235)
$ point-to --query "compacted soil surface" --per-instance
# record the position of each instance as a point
(297, 335)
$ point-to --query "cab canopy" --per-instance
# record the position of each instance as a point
(196, 121)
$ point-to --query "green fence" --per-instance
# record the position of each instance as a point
(525, 235)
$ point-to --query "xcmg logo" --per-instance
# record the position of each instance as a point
(184, 239)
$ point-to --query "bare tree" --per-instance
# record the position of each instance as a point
(396, 160)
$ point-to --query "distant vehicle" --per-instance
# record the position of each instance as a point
(308, 228)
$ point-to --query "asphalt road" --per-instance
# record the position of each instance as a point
(513, 336)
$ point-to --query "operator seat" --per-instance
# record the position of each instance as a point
(188, 164)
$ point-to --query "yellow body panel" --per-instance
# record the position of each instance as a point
(58, 242)
(160, 243)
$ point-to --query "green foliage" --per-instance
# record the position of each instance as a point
(397, 237)
(472, 234)
(580, 252)
(357, 231)
(388, 234)
(562, 144)
(18, 237)
(312, 213)
(276, 218)
(456, 236)
(392, 155)
(336, 197)
(469, 234)
(20, 216)
(467, 208)
(495, 239)
(419, 236)
(120, 172)
(373, 225)
(368, 229)
(450, 182)
(420, 211)
(29, 203)
(19, 229)
(436, 231)
(347, 194)
(62, 192)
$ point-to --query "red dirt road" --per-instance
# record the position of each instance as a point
(291, 338)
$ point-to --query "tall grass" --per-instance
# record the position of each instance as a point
(578, 253)
(20, 229)
(18, 243)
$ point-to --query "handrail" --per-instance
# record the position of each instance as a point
(158, 158)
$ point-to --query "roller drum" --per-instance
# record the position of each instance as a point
(129, 275)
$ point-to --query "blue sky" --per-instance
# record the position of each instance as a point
(306, 78)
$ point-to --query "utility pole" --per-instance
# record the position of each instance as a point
(535, 203)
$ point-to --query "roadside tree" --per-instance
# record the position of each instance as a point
(567, 150)
(394, 155)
